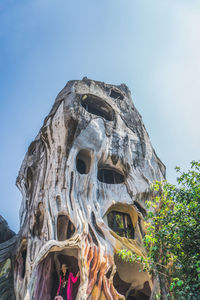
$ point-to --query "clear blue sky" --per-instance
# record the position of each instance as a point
(151, 45)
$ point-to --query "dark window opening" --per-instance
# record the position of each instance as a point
(110, 176)
(70, 230)
(121, 224)
(120, 285)
(116, 95)
(97, 106)
(22, 263)
(65, 228)
(39, 220)
(49, 271)
(81, 166)
(137, 295)
(24, 253)
(83, 161)
(126, 288)
(72, 264)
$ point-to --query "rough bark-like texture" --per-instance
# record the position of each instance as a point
(7, 246)
(84, 182)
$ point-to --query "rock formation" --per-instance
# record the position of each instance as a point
(84, 181)
(7, 247)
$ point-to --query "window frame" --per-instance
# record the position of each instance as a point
(123, 232)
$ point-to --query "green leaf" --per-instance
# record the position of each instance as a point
(179, 282)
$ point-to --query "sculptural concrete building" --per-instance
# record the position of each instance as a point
(84, 181)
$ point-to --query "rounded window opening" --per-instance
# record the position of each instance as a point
(121, 224)
(116, 95)
(39, 220)
(128, 278)
(120, 285)
(83, 162)
(97, 106)
(110, 176)
(21, 261)
(49, 275)
(24, 254)
(65, 228)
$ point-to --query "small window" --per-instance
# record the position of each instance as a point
(21, 262)
(97, 106)
(81, 166)
(39, 220)
(110, 176)
(121, 224)
(116, 95)
(83, 161)
(65, 228)
(24, 254)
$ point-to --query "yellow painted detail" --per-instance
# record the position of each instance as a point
(84, 97)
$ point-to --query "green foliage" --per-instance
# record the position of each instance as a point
(172, 237)
(130, 257)
(175, 232)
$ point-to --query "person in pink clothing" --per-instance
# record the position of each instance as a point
(66, 281)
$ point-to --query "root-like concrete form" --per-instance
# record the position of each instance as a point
(84, 182)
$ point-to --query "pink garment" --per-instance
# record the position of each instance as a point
(71, 280)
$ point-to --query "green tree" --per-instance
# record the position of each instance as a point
(173, 235)
(172, 239)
